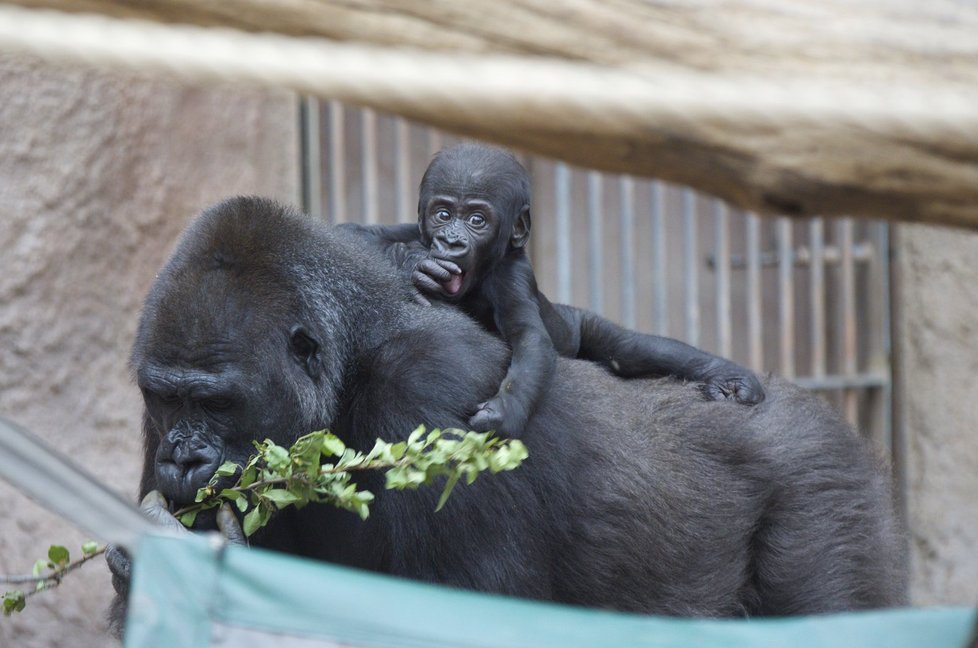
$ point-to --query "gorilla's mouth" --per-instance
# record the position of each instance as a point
(454, 284)
(179, 483)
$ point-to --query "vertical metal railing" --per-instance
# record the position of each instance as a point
(626, 250)
(595, 215)
(658, 250)
(562, 189)
(754, 292)
(721, 244)
(691, 265)
(805, 299)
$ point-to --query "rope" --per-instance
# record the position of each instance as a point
(546, 95)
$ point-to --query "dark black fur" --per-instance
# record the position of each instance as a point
(637, 495)
(500, 290)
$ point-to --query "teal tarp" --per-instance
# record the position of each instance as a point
(191, 592)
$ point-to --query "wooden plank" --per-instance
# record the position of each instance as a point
(848, 106)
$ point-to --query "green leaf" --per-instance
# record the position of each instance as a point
(415, 436)
(41, 566)
(89, 548)
(13, 602)
(277, 458)
(188, 519)
(449, 485)
(332, 445)
(256, 519)
(397, 450)
(281, 497)
(248, 476)
(203, 494)
(226, 469)
(58, 555)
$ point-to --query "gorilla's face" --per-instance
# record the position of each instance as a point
(202, 421)
(215, 379)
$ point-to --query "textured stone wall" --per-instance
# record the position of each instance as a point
(98, 175)
(937, 336)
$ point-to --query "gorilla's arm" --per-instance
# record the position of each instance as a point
(534, 327)
(402, 246)
(510, 292)
(383, 235)
(631, 354)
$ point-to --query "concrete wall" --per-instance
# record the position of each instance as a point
(937, 340)
(98, 175)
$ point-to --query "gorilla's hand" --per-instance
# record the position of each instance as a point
(503, 413)
(154, 507)
(730, 381)
(431, 275)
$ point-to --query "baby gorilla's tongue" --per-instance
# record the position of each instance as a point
(453, 285)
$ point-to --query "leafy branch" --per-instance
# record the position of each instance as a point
(319, 467)
(47, 574)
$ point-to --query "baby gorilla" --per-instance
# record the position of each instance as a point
(474, 223)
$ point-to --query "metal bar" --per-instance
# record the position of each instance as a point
(755, 339)
(690, 268)
(816, 296)
(336, 173)
(847, 279)
(405, 200)
(312, 157)
(836, 381)
(595, 242)
(786, 303)
(562, 182)
(831, 255)
(626, 257)
(368, 159)
(880, 406)
(721, 244)
(660, 319)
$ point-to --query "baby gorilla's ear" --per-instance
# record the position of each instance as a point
(521, 228)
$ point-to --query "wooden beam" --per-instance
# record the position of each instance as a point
(892, 158)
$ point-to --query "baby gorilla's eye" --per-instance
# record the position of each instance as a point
(477, 220)
(442, 216)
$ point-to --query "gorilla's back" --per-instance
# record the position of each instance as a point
(773, 509)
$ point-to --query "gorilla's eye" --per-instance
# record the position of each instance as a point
(477, 220)
(170, 399)
(442, 216)
(217, 404)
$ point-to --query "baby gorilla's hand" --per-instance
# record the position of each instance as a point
(502, 413)
(733, 383)
(432, 275)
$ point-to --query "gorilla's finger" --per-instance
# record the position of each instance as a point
(425, 283)
(228, 524)
(448, 265)
(120, 565)
(118, 560)
(154, 506)
(434, 269)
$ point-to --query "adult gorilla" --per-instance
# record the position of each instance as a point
(638, 495)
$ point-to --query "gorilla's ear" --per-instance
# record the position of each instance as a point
(521, 228)
(305, 350)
